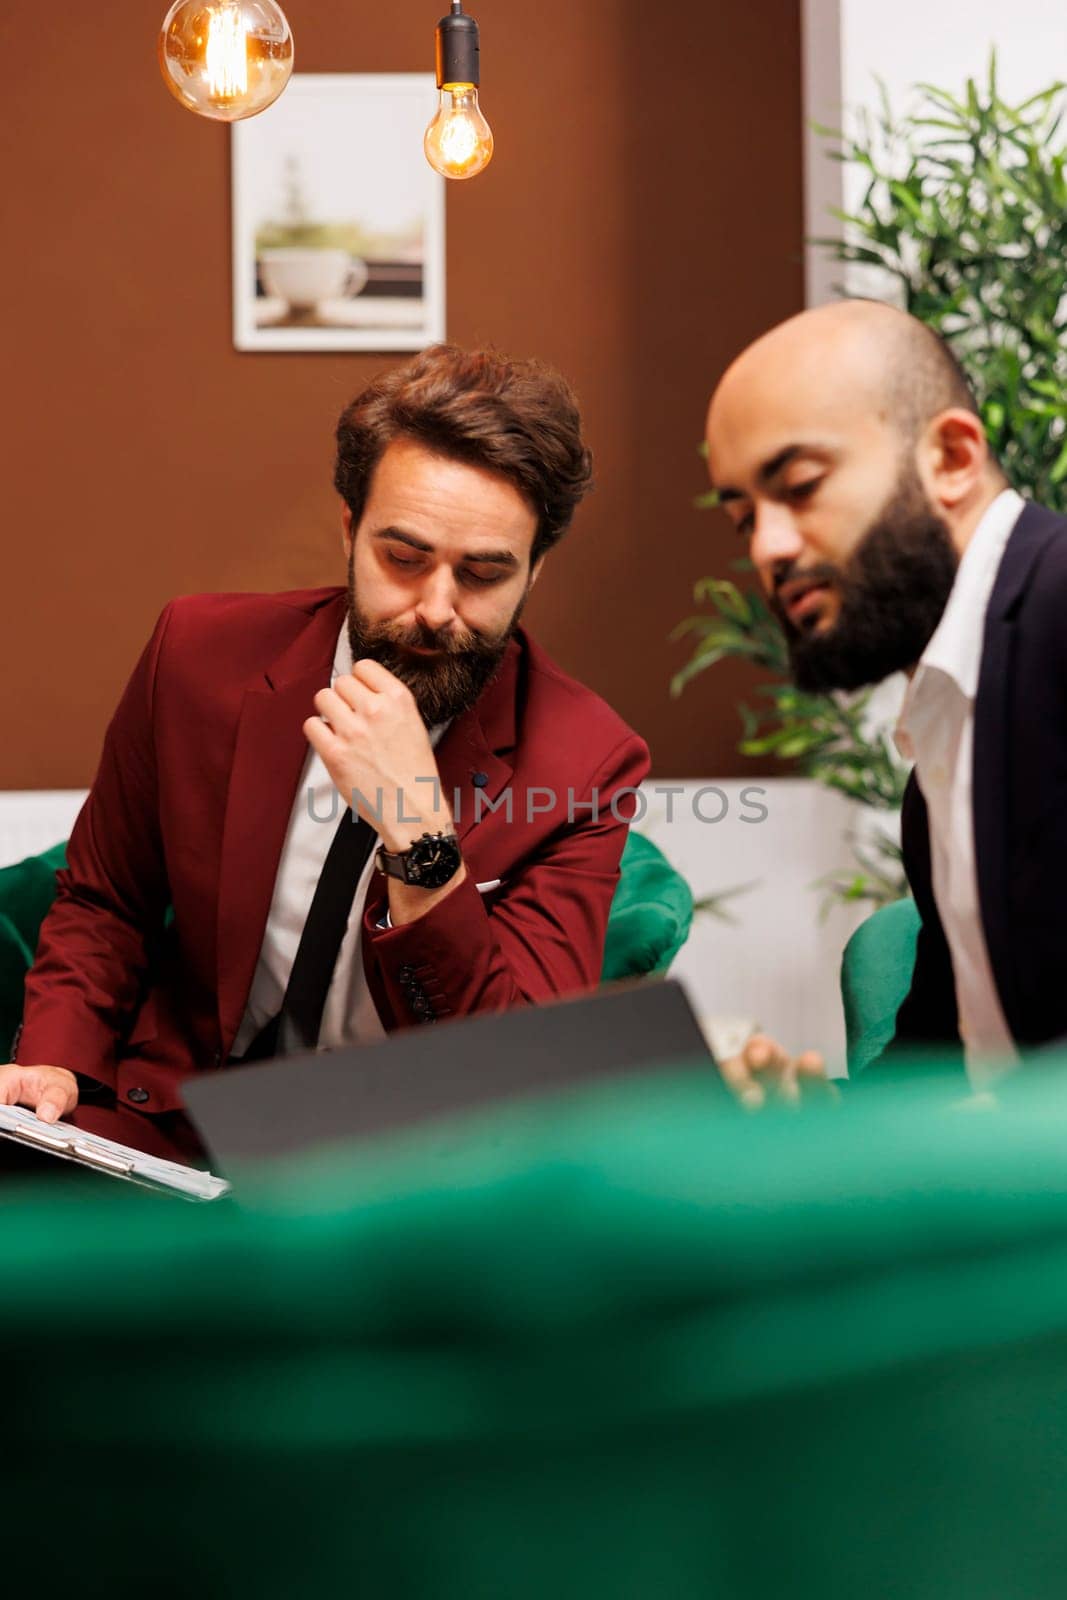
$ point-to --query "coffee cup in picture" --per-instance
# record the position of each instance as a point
(305, 278)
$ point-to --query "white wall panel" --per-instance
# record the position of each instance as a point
(850, 44)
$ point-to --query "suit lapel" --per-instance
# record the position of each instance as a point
(268, 759)
(993, 766)
(469, 769)
(471, 757)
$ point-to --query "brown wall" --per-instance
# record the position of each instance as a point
(640, 222)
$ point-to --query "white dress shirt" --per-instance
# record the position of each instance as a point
(349, 1015)
(936, 729)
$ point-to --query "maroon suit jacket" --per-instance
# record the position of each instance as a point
(189, 808)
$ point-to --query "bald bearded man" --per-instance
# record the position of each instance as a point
(848, 451)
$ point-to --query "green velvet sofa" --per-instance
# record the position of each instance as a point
(628, 1343)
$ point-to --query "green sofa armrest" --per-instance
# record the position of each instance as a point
(876, 971)
(650, 916)
(27, 889)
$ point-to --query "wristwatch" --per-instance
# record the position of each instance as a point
(428, 863)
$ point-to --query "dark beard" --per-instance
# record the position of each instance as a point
(893, 591)
(445, 688)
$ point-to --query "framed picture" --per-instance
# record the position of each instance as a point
(338, 218)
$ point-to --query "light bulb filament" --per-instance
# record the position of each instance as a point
(226, 54)
(459, 141)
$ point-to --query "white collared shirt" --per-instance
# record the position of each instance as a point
(936, 729)
(349, 1015)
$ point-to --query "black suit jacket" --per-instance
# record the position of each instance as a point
(1020, 810)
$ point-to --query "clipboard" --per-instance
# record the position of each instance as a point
(67, 1143)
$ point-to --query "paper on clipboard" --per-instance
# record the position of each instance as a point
(68, 1143)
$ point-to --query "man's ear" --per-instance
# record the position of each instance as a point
(346, 530)
(957, 456)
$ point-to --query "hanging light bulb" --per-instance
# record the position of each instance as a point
(459, 142)
(226, 59)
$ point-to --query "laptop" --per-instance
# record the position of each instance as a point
(279, 1108)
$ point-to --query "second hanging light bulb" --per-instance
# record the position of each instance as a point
(459, 141)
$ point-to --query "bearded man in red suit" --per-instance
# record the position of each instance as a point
(324, 815)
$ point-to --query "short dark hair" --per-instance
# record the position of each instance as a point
(516, 418)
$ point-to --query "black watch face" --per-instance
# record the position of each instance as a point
(431, 862)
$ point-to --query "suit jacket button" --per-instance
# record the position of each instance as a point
(138, 1096)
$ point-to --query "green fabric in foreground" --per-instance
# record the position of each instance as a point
(649, 923)
(626, 1343)
(876, 971)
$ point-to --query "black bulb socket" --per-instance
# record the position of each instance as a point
(457, 48)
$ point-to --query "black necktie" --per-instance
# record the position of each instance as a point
(296, 1027)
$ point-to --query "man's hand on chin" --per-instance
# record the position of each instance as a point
(764, 1074)
(375, 746)
(50, 1091)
